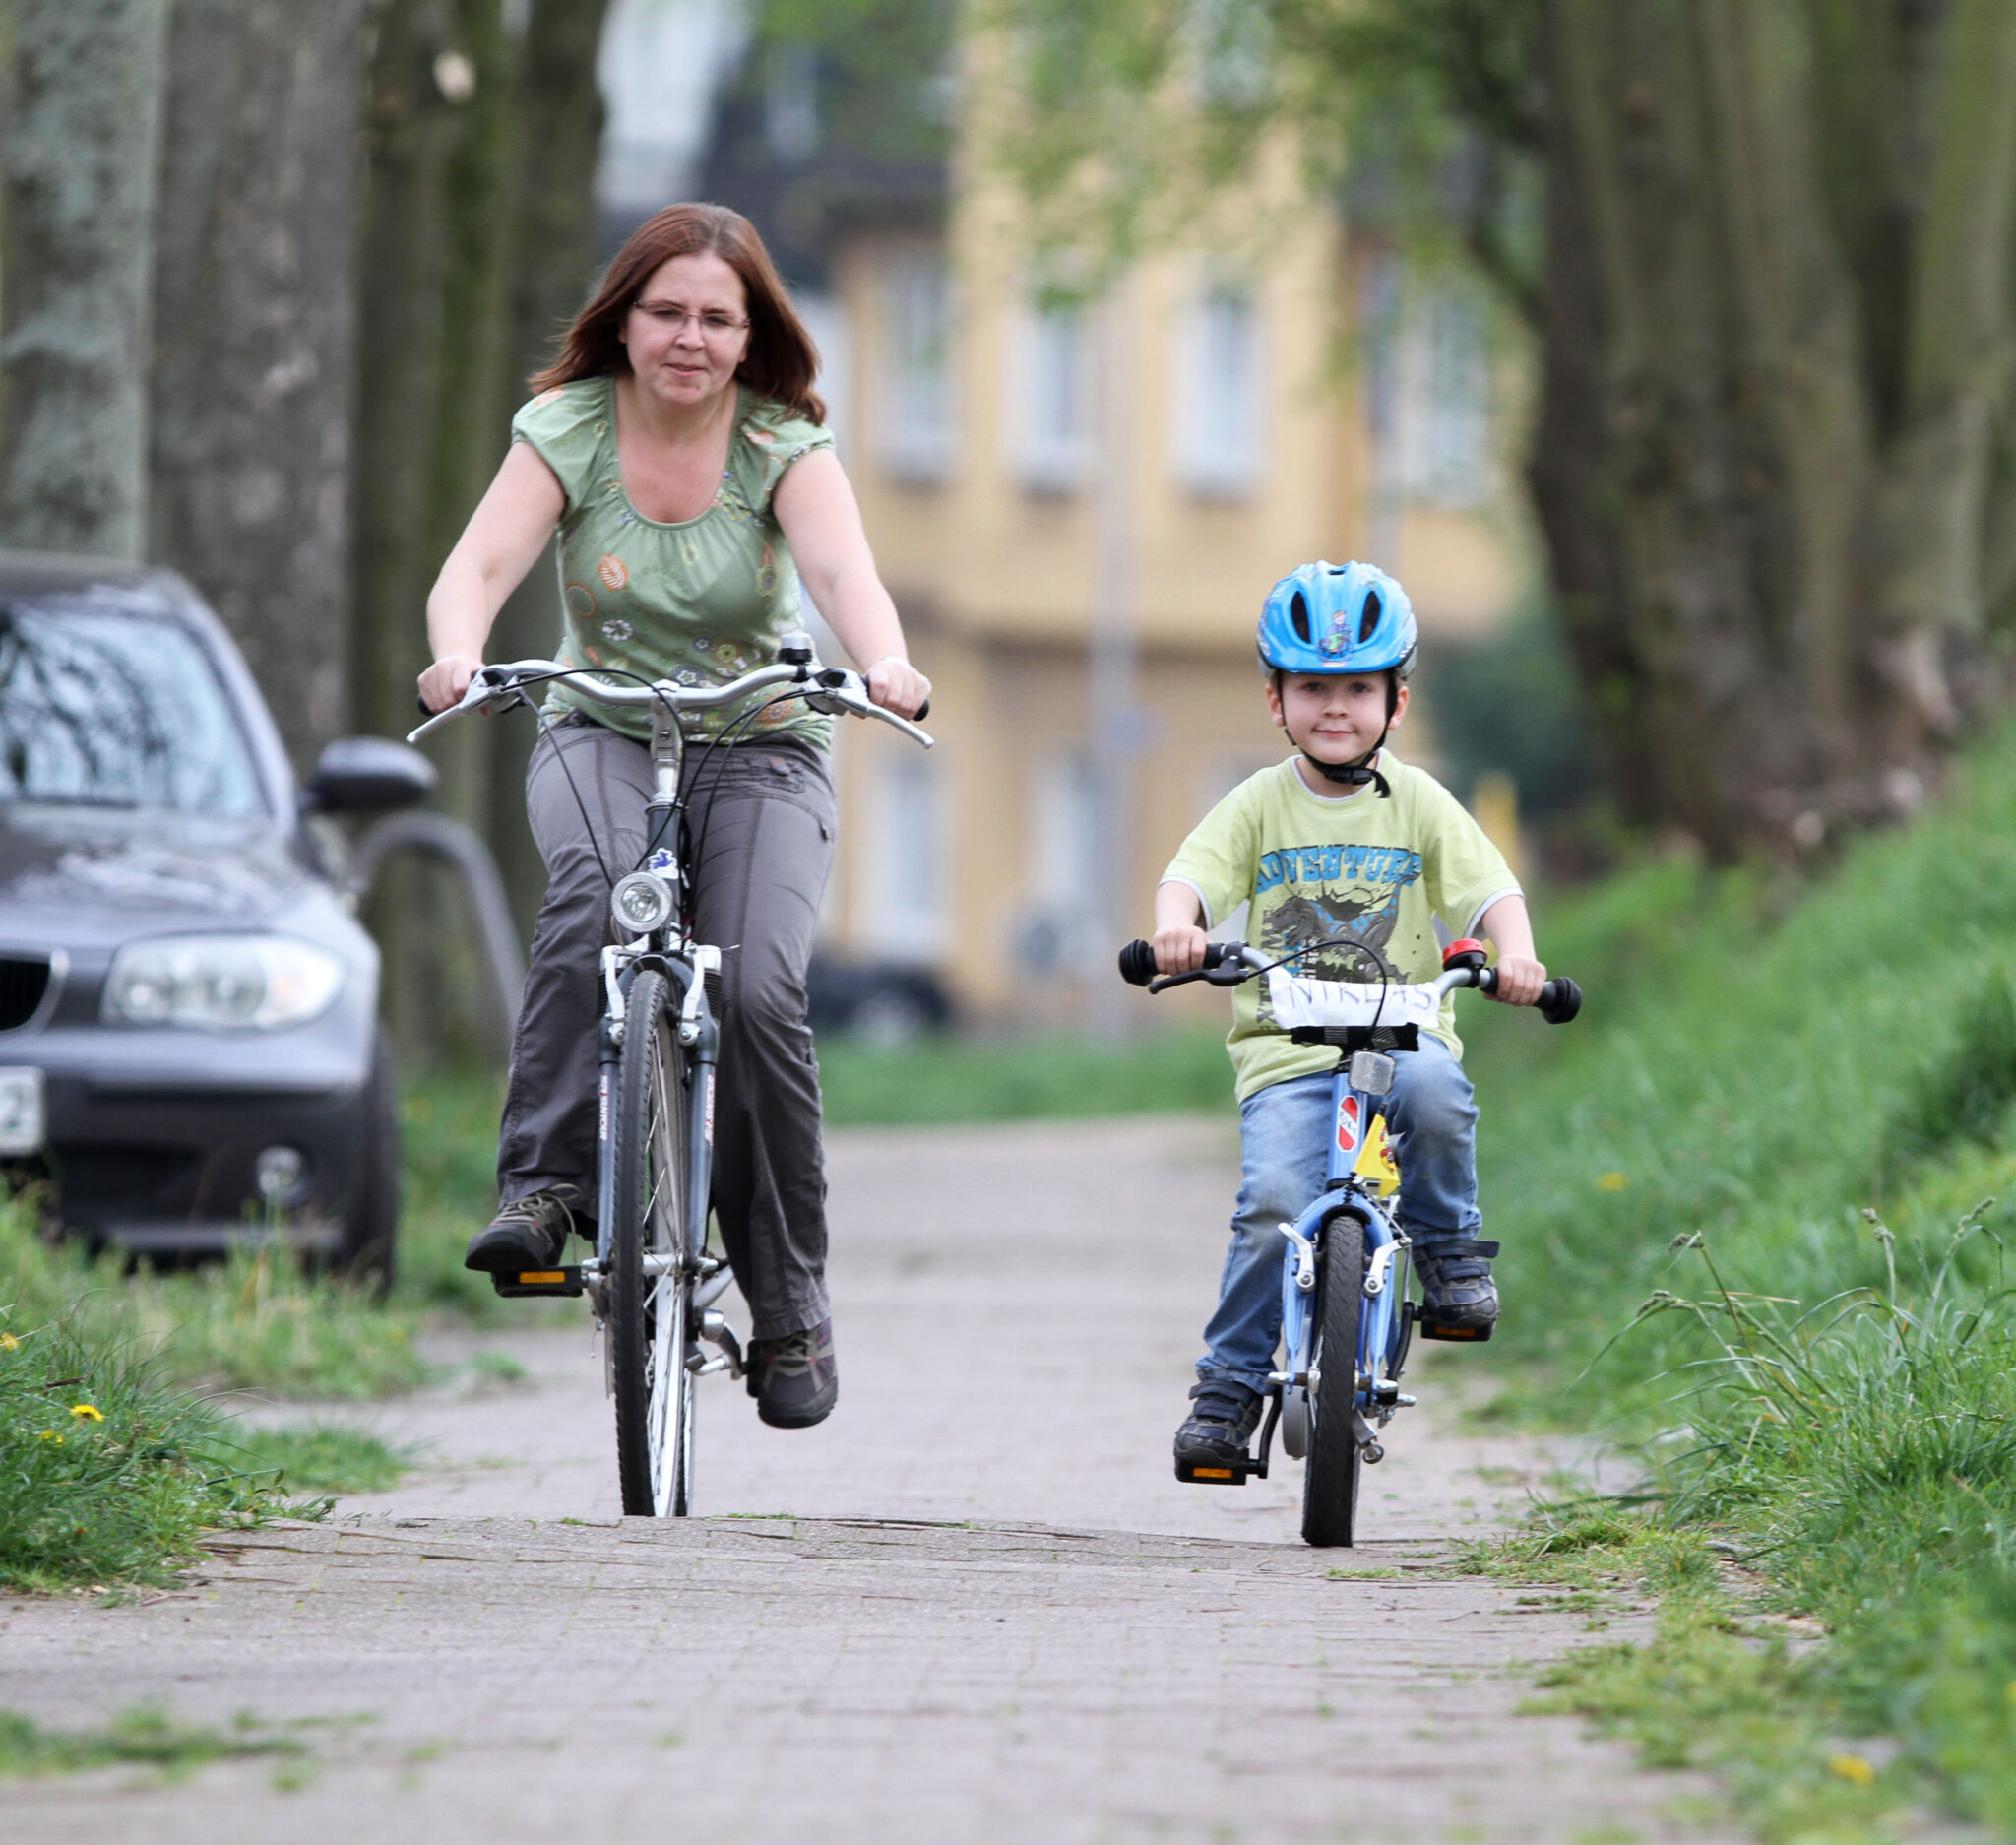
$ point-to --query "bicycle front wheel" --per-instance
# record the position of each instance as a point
(651, 1271)
(1330, 1478)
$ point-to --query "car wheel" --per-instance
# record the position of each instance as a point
(370, 1231)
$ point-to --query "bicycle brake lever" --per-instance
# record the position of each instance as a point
(1228, 974)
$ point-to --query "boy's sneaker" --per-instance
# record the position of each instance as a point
(1459, 1299)
(795, 1379)
(1221, 1424)
(529, 1232)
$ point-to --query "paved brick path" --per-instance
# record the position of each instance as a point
(974, 1607)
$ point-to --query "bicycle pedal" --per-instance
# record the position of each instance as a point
(1455, 1335)
(531, 1281)
(1219, 1474)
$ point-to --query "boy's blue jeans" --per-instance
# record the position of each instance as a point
(1284, 1153)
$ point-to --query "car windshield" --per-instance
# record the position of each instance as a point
(109, 707)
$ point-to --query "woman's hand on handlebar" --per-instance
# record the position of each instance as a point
(897, 685)
(444, 682)
(1520, 980)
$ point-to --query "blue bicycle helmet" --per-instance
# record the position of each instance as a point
(1330, 617)
(1340, 618)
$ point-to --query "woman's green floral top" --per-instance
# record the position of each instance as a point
(698, 602)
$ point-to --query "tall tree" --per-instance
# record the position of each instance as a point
(252, 372)
(482, 126)
(83, 132)
(1765, 246)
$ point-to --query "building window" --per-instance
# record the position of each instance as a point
(1219, 386)
(827, 324)
(908, 909)
(1053, 432)
(1061, 927)
(916, 422)
(1427, 388)
(1450, 463)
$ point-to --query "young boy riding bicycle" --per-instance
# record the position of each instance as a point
(1344, 852)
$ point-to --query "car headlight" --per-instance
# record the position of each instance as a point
(641, 903)
(222, 983)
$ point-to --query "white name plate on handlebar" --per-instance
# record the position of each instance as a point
(1296, 1001)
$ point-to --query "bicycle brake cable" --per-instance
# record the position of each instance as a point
(560, 755)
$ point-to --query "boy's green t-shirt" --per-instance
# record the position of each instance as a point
(1374, 869)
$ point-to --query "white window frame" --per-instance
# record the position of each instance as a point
(1050, 397)
(1219, 420)
(909, 893)
(916, 423)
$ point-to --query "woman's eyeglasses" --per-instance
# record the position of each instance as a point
(713, 325)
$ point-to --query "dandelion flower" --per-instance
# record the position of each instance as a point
(1856, 1770)
(49, 1434)
(88, 1412)
(8, 1342)
(1611, 1182)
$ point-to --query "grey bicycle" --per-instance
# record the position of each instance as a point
(652, 1283)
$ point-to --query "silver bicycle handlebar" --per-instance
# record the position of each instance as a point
(828, 688)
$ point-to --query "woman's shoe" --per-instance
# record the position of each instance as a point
(795, 1379)
(529, 1232)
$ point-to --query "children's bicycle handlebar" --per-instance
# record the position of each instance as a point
(1228, 963)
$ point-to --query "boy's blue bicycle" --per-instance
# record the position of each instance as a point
(1347, 1319)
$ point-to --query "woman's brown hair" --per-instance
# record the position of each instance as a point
(782, 361)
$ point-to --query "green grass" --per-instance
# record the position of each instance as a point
(146, 1736)
(1780, 1129)
(109, 1478)
(321, 1457)
(254, 1322)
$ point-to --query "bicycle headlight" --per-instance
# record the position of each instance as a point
(222, 983)
(642, 901)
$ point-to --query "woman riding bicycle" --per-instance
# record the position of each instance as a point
(677, 448)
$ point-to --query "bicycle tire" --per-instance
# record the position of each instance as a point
(1330, 1476)
(649, 1315)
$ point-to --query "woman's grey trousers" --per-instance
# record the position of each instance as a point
(761, 822)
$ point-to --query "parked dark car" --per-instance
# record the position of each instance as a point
(189, 1047)
(886, 1002)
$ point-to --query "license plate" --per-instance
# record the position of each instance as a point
(21, 1110)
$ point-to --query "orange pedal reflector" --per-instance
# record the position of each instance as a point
(1211, 1473)
(542, 1278)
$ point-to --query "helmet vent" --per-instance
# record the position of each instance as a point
(1299, 614)
(1370, 618)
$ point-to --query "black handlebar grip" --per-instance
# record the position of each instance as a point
(1559, 1000)
(1137, 963)
(923, 712)
(426, 710)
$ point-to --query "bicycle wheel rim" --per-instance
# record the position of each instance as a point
(671, 1423)
(647, 1313)
(1330, 1476)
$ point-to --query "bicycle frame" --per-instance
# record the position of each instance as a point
(1383, 1324)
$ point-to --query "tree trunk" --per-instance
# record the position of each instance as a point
(1767, 542)
(253, 376)
(479, 235)
(559, 125)
(82, 146)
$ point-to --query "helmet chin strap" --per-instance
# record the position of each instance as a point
(1359, 773)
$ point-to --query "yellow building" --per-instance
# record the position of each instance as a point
(1079, 510)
